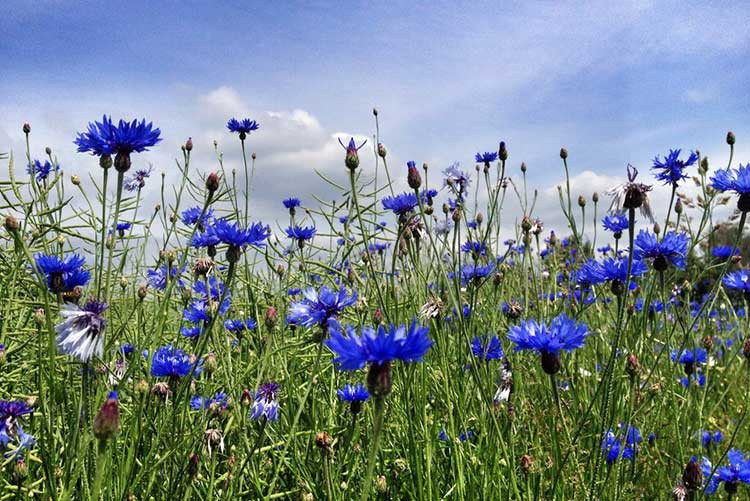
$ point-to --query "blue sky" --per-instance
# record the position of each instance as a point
(613, 83)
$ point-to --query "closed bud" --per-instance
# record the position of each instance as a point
(141, 386)
(502, 151)
(382, 152)
(704, 165)
(692, 477)
(375, 111)
(48, 150)
(246, 398)
(581, 201)
(27, 128)
(526, 224)
(678, 206)
(456, 215)
(381, 485)
(595, 197)
(142, 291)
(708, 342)
(212, 182)
(523, 167)
(11, 224)
(20, 469)
(563, 153)
(657, 228)
(377, 317)
(123, 282)
(526, 463)
(631, 365)
(193, 465)
(479, 218)
(413, 178)
(39, 317)
(76, 180)
(105, 161)
(323, 441)
(107, 422)
(271, 317)
(210, 364)
(189, 144)
(446, 208)
(253, 156)
(730, 137)
(746, 349)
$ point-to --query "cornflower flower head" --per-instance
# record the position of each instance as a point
(708, 438)
(738, 280)
(736, 180)
(486, 158)
(613, 270)
(206, 238)
(735, 472)
(218, 403)
(454, 176)
(487, 348)
(671, 250)
(724, 252)
(318, 307)
(689, 358)
(236, 237)
(671, 170)
(473, 272)
(301, 234)
(242, 127)
(355, 395)
(378, 348)
(616, 222)
(631, 195)
(266, 402)
(563, 333)
(173, 363)
(81, 332)
(41, 170)
(193, 216)
(104, 139)
(137, 180)
(157, 277)
(625, 445)
(63, 275)
(238, 326)
(476, 249)
(405, 203)
(12, 414)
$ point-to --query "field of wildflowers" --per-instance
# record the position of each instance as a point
(386, 346)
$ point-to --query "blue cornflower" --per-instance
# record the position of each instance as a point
(401, 204)
(724, 252)
(378, 247)
(301, 234)
(562, 334)
(237, 326)
(12, 414)
(689, 358)
(737, 180)
(123, 227)
(614, 270)
(266, 402)
(137, 180)
(41, 170)
(475, 248)
(157, 278)
(466, 435)
(200, 310)
(317, 307)
(233, 235)
(126, 349)
(379, 347)
(671, 250)
(192, 216)
(487, 348)
(172, 362)
(615, 446)
(291, 203)
(738, 280)
(81, 332)
(486, 157)
(616, 222)
(105, 138)
(473, 272)
(243, 127)
(671, 169)
(63, 275)
(707, 438)
(216, 404)
(191, 332)
(458, 178)
(355, 395)
(215, 288)
(738, 470)
(206, 238)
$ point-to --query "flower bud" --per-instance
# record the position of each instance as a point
(581, 201)
(377, 316)
(631, 365)
(502, 151)
(189, 144)
(142, 291)
(563, 153)
(523, 167)
(595, 197)
(48, 150)
(193, 465)
(323, 441)
(107, 422)
(746, 349)
(456, 215)
(381, 484)
(382, 152)
(678, 206)
(413, 177)
(212, 182)
(731, 139)
(692, 477)
(20, 469)
(271, 317)
(657, 228)
(11, 224)
(27, 129)
(375, 111)
(76, 180)
(526, 463)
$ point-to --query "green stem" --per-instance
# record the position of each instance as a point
(377, 428)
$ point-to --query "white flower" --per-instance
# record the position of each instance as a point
(82, 331)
